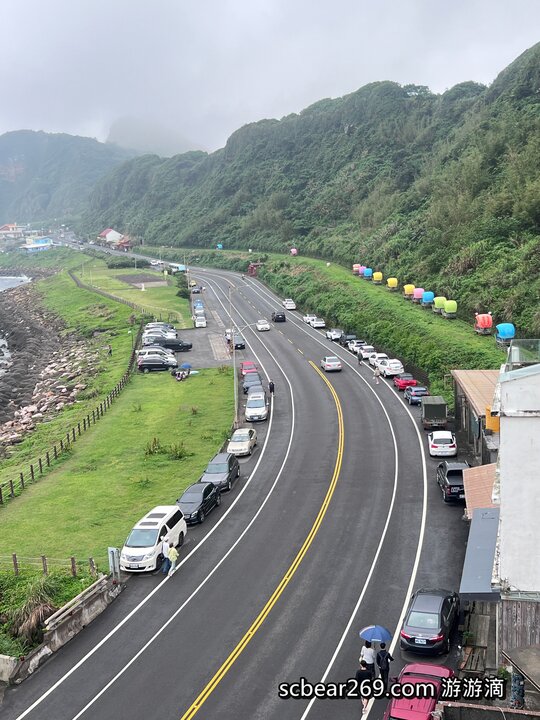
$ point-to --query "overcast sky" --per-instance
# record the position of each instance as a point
(204, 68)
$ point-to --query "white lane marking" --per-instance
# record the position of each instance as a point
(143, 602)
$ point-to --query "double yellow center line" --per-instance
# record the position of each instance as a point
(261, 617)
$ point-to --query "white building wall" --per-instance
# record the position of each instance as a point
(519, 463)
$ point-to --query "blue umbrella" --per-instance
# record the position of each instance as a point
(185, 366)
(375, 633)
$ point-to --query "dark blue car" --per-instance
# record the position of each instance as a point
(414, 395)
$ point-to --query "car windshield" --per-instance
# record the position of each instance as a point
(418, 390)
(240, 437)
(141, 538)
(455, 477)
(426, 621)
(443, 441)
(252, 379)
(191, 493)
(255, 403)
(217, 468)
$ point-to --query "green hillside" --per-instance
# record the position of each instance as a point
(43, 176)
(440, 190)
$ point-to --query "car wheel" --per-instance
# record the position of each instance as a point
(251, 451)
(201, 516)
(146, 371)
(218, 500)
(238, 473)
(180, 540)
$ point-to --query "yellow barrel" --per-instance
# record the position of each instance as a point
(438, 304)
(408, 291)
(392, 283)
(377, 278)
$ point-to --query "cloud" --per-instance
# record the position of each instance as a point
(204, 69)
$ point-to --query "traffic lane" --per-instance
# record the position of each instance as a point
(302, 638)
(240, 589)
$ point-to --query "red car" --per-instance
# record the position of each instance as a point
(404, 380)
(247, 366)
(418, 708)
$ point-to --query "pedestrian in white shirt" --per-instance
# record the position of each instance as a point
(368, 654)
(165, 547)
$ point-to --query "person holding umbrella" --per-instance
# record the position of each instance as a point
(371, 634)
(368, 655)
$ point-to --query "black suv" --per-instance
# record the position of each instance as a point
(173, 344)
(429, 621)
(450, 479)
(198, 500)
(239, 342)
(346, 338)
(278, 316)
(223, 470)
(153, 362)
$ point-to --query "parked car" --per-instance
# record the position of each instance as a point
(198, 500)
(142, 550)
(223, 470)
(151, 363)
(318, 323)
(242, 442)
(355, 345)
(289, 304)
(278, 316)
(346, 338)
(198, 302)
(247, 366)
(196, 289)
(262, 325)
(239, 342)
(334, 334)
(389, 368)
(420, 708)
(429, 621)
(308, 318)
(450, 480)
(200, 321)
(364, 352)
(192, 283)
(155, 350)
(404, 380)
(198, 310)
(414, 395)
(434, 414)
(165, 327)
(376, 357)
(250, 380)
(256, 406)
(442, 443)
(175, 345)
(330, 363)
(160, 332)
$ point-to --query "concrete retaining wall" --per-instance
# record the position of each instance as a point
(77, 617)
(7, 666)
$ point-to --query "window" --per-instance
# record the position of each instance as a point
(175, 519)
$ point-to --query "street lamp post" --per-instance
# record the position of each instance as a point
(235, 378)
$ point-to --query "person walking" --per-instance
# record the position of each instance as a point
(173, 557)
(165, 547)
(363, 674)
(376, 375)
(271, 387)
(383, 663)
(368, 654)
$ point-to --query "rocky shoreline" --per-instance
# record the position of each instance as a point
(46, 368)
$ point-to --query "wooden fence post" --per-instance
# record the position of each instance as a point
(61, 445)
(79, 427)
(11, 488)
(32, 472)
(22, 480)
(44, 563)
(73, 567)
(15, 563)
(92, 566)
(1, 496)
(94, 416)
(84, 424)
(73, 434)
(40, 463)
(48, 458)
(67, 439)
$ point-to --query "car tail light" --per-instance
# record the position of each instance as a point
(405, 636)
(437, 638)
(452, 445)
(433, 446)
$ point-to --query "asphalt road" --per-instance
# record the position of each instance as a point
(331, 526)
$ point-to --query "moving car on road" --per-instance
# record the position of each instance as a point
(242, 442)
(442, 443)
(330, 363)
(429, 621)
(198, 500)
(278, 316)
(414, 395)
(262, 325)
(450, 480)
(418, 708)
(404, 380)
(334, 334)
(223, 470)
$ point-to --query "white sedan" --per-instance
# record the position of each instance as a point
(318, 323)
(262, 325)
(442, 443)
(330, 363)
(376, 357)
(308, 318)
(365, 351)
(334, 333)
(242, 442)
(289, 304)
(389, 368)
(355, 345)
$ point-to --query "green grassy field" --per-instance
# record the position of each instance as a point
(109, 480)
(55, 258)
(159, 301)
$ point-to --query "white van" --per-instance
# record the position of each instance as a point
(200, 321)
(256, 407)
(142, 549)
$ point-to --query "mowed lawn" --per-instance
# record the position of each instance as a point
(93, 499)
(157, 300)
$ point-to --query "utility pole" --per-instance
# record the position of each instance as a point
(235, 378)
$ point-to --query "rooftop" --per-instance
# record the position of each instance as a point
(478, 386)
(478, 482)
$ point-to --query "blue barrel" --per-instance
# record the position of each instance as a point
(368, 274)
(428, 298)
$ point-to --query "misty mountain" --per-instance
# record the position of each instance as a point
(145, 136)
(44, 175)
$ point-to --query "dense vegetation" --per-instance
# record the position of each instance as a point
(440, 190)
(45, 176)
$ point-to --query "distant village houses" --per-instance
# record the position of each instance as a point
(112, 238)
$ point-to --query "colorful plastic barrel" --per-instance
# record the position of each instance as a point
(368, 274)
(392, 283)
(438, 304)
(219, 246)
(361, 270)
(417, 295)
(377, 278)
(450, 309)
(355, 268)
(294, 251)
(408, 291)
(427, 298)
(505, 331)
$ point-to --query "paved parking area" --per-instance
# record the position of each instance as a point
(209, 346)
